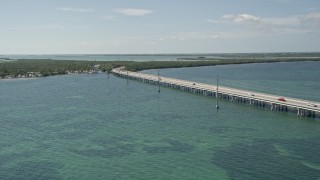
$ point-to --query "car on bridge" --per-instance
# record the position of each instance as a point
(312, 105)
(281, 99)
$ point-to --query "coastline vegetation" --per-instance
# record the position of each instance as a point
(22, 68)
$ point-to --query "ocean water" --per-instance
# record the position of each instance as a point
(94, 127)
(293, 79)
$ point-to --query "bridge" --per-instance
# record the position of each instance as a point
(303, 108)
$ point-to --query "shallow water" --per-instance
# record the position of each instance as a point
(92, 127)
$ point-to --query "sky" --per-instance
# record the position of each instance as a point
(158, 26)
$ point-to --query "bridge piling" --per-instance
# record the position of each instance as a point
(303, 108)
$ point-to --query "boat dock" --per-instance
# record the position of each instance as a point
(303, 108)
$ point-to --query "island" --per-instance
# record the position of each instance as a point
(27, 68)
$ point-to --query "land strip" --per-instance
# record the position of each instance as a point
(23, 68)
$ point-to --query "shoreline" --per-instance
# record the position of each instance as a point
(30, 78)
(89, 67)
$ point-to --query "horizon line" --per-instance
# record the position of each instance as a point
(195, 53)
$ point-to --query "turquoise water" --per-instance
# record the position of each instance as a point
(294, 79)
(92, 127)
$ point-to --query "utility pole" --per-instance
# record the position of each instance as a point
(159, 81)
(127, 77)
(217, 93)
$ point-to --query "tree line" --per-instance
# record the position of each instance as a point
(48, 67)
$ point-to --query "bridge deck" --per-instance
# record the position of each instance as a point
(299, 104)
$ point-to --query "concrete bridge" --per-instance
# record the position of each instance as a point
(301, 107)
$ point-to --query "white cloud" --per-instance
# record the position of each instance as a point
(289, 21)
(214, 36)
(134, 12)
(313, 17)
(241, 18)
(80, 10)
(265, 26)
(283, 21)
(108, 17)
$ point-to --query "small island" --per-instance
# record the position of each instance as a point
(30, 68)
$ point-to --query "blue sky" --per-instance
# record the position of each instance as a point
(158, 26)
